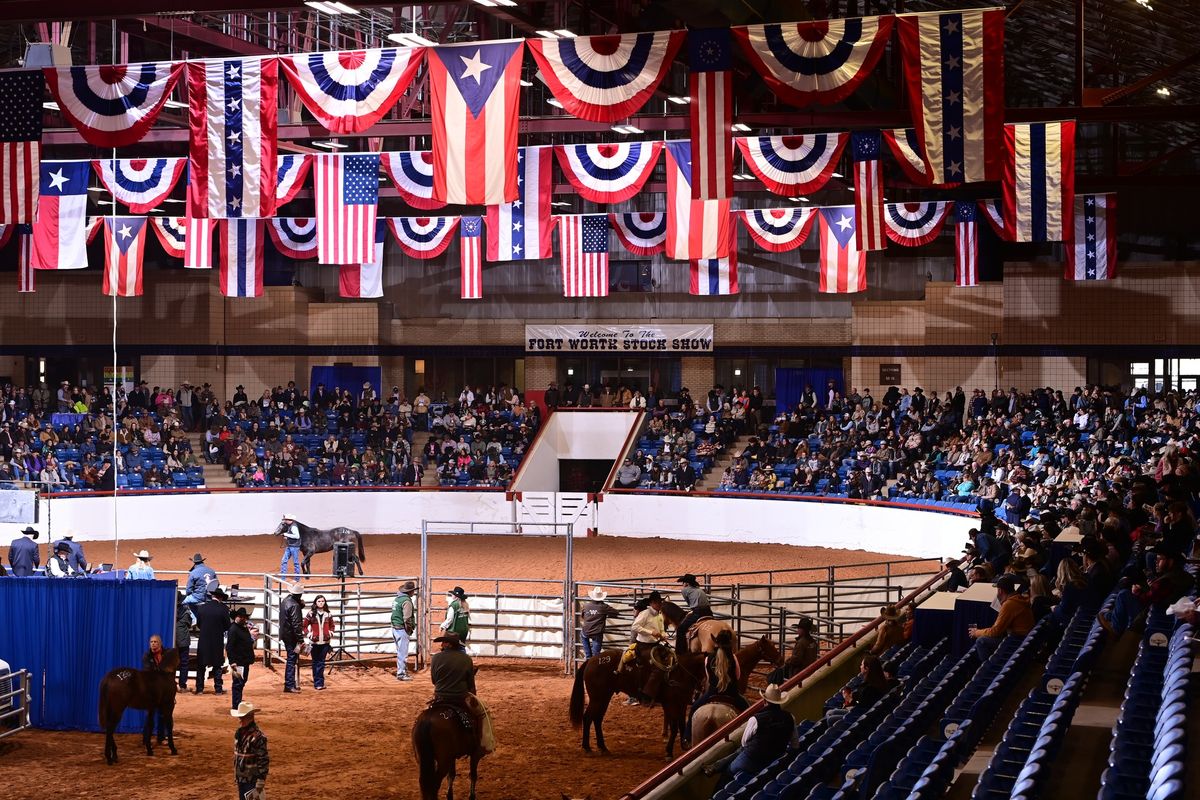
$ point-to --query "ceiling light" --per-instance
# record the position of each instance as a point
(173, 103)
(50, 105)
(509, 3)
(627, 129)
(559, 204)
(564, 33)
(410, 38)
(526, 83)
(331, 145)
(486, 3)
(324, 8)
(342, 7)
(679, 100)
(547, 34)
(837, 175)
(554, 103)
(742, 176)
(1163, 91)
(1145, 4)
(173, 201)
(104, 202)
(97, 189)
(741, 127)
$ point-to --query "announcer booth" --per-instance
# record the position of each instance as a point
(69, 632)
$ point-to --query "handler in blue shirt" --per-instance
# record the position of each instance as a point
(75, 559)
(291, 546)
(23, 555)
(198, 581)
(140, 570)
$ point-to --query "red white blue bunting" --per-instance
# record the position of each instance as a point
(412, 175)
(172, 234)
(295, 237)
(778, 230)
(350, 91)
(993, 212)
(113, 106)
(608, 173)
(423, 237)
(641, 233)
(822, 62)
(140, 183)
(605, 78)
(293, 169)
(914, 224)
(791, 165)
(906, 149)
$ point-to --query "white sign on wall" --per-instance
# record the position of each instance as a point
(586, 337)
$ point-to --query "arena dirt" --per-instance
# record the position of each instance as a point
(352, 740)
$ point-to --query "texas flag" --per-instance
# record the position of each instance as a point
(60, 232)
(843, 266)
(475, 89)
(124, 245)
(364, 281)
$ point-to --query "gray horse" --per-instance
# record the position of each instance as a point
(315, 540)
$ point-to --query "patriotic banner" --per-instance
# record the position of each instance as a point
(289, 179)
(124, 247)
(475, 90)
(966, 244)
(113, 106)
(365, 281)
(710, 81)
(583, 248)
(906, 150)
(140, 183)
(1039, 180)
(1092, 247)
(242, 242)
(696, 229)
(520, 230)
(198, 250)
(295, 237)
(423, 237)
(815, 63)
(350, 91)
(993, 212)
(6, 232)
(778, 230)
(793, 165)
(714, 276)
(172, 234)
(412, 175)
(347, 197)
(954, 68)
(915, 224)
(60, 232)
(641, 233)
(865, 150)
(20, 145)
(93, 227)
(608, 173)
(25, 270)
(470, 258)
(233, 121)
(605, 78)
(843, 266)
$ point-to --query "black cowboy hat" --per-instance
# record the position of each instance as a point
(408, 587)
(452, 638)
(197, 559)
(62, 547)
(803, 624)
(458, 592)
(687, 578)
(239, 612)
(219, 594)
(29, 531)
(653, 596)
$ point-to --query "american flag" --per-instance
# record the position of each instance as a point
(25, 270)
(966, 243)
(242, 257)
(714, 276)
(695, 228)
(20, 144)
(1092, 248)
(583, 248)
(865, 147)
(1038, 189)
(347, 198)
(470, 231)
(843, 266)
(520, 230)
(124, 246)
(710, 80)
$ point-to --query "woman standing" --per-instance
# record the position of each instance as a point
(318, 628)
(458, 614)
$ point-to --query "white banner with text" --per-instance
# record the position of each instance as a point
(586, 337)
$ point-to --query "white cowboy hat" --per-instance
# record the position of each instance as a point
(597, 594)
(772, 695)
(142, 554)
(244, 709)
(289, 516)
(296, 589)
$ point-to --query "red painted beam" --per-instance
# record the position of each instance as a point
(34, 11)
(209, 38)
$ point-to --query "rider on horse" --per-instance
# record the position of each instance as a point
(698, 608)
(453, 675)
(722, 674)
(649, 632)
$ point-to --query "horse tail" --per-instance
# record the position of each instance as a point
(423, 750)
(576, 708)
(362, 554)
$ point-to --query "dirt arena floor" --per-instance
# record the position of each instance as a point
(352, 740)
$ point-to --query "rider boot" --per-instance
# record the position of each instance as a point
(628, 657)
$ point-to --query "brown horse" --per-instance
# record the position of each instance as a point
(152, 691)
(702, 636)
(439, 739)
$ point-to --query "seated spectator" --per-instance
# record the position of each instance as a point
(1015, 618)
(1170, 584)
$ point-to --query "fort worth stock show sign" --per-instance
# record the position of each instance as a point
(619, 338)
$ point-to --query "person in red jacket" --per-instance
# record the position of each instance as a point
(318, 629)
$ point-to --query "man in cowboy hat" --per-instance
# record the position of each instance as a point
(698, 605)
(891, 631)
(200, 580)
(291, 546)
(592, 619)
(250, 759)
(212, 617)
(140, 569)
(453, 674)
(23, 555)
(458, 614)
(805, 651)
(1015, 617)
(60, 565)
(76, 559)
(291, 633)
(404, 622)
(767, 736)
(239, 647)
(1171, 584)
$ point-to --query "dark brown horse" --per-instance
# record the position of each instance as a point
(439, 739)
(152, 691)
(317, 540)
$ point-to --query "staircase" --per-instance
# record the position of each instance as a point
(216, 476)
(712, 479)
(420, 439)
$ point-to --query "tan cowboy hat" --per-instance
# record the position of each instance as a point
(296, 589)
(142, 554)
(597, 594)
(244, 709)
(889, 612)
(772, 695)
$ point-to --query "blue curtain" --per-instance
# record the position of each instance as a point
(790, 383)
(351, 378)
(70, 633)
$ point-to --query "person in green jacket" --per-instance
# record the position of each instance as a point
(404, 622)
(458, 614)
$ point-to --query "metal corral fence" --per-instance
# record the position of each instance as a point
(14, 702)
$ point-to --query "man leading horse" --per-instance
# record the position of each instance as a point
(316, 540)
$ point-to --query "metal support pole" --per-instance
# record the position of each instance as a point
(569, 604)
(423, 640)
(1080, 58)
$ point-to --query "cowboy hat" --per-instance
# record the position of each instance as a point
(296, 589)
(889, 612)
(197, 559)
(1008, 582)
(289, 516)
(244, 709)
(62, 547)
(772, 695)
(655, 595)
(408, 587)
(686, 578)
(458, 592)
(597, 594)
(239, 612)
(30, 532)
(452, 638)
(803, 624)
(219, 594)
(143, 554)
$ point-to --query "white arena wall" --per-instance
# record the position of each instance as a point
(898, 529)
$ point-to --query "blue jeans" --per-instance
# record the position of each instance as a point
(1125, 610)
(244, 788)
(292, 552)
(320, 652)
(592, 645)
(401, 637)
(985, 646)
(289, 670)
(240, 675)
(744, 763)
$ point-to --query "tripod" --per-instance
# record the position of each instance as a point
(339, 656)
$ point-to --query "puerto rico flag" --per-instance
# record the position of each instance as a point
(295, 237)
(714, 276)
(242, 243)
(20, 145)
(124, 246)
(954, 68)
(140, 183)
(475, 90)
(583, 247)
(1039, 180)
(423, 237)
(966, 243)
(710, 81)
(1092, 247)
(365, 281)
(470, 257)
(778, 230)
(187, 238)
(113, 106)
(696, 229)
(25, 270)
(347, 197)
(293, 169)
(232, 166)
(520, 230)
(60, 232)
(865, 150)
(350, 91)
(608, 173)
(843, 266)
(643, 233)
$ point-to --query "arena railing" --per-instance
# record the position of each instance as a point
(18, 710)
(649, 787)
(804, 498)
